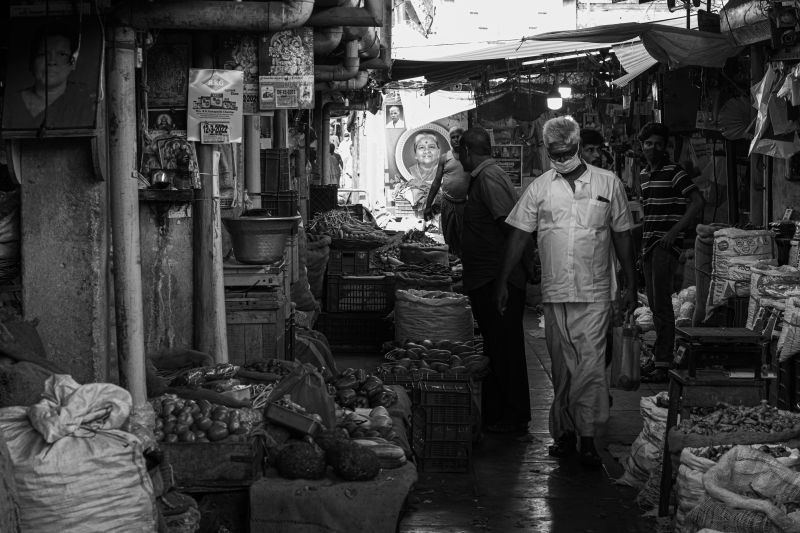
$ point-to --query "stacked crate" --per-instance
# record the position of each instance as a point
(356, 302)
(444, 415)
(257, 311)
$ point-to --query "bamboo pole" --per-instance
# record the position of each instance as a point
(252, 157)
(127, 260)
(210, 335)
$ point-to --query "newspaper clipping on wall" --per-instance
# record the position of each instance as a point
(215, 106)
(286, 70)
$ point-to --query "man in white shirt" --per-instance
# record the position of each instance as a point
(579, 211)
(394, 118)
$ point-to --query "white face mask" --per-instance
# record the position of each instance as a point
(565, 167)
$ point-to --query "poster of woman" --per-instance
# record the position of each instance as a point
(53, 77)
(417, 156)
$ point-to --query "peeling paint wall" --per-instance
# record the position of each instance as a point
(65, 254)
(167, 278)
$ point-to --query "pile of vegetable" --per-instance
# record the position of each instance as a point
(271, 366)
(713, 453)
(726, 418)
(340, 224)
(361, 424)
(419, 238)
(430, 360)
(179, 420)
(354, 388)
(425, 269)
(194, 377)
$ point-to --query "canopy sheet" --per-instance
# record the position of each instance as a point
(419, 109)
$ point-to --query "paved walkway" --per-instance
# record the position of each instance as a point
(516, 486)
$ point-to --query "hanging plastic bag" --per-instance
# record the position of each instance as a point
(307, 388)
(625, 364)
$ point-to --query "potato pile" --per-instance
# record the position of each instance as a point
(180, 420)
(430, 359)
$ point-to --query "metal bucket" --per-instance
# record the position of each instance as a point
(259, 240)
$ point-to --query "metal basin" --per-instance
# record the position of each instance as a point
(260, 240)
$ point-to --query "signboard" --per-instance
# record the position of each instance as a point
(509, 158)
(215, 106)
(239, 51)
(286, 70)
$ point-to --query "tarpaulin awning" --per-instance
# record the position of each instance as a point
(634, 59)
(676, 47)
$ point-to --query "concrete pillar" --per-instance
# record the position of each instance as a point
(252, 157)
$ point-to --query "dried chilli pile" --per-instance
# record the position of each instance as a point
(726, 418)
(340, 224)
(419, 238)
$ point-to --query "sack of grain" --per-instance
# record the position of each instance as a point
(770, 286)
(734, 251)
(647, 448)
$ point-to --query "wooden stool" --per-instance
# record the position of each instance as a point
(707, 389)
(729, 347)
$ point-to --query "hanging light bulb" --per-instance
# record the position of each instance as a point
(554, 100)
(564, 88)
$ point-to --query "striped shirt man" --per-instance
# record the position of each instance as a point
(665, 194)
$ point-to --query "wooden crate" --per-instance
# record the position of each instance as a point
(256, 334)
(211, 465)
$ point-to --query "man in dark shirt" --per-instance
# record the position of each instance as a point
(671, 202)
(490, 197)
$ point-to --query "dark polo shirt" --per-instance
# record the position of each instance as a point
(491, 196)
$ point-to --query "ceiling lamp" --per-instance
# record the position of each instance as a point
(564, 88)
(554, 100)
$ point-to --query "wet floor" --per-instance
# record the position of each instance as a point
(515, 486)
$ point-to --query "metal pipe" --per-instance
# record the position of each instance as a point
(370, 15)
(370, 45)
(382, 62)
(326, 40)
(210, 334)
(354, 33)
(384, 59)
(347, 69)
(125, 213)
(325, 134)
(218, 15)
(353, 84)
(252, 158)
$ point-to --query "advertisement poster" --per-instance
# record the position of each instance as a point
(240, 52)
(215, 106)
(509, 158)
(286, 70)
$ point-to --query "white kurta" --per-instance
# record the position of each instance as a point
(574, 237)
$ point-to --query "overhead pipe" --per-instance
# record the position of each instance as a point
(372, 14)
(384, 59)
(354, 33)
(353, 84)
(346, 70)
(326, 40)
(369, 46)
(216, 15)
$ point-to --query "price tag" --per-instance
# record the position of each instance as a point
(214, 133)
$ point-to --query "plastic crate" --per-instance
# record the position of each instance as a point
(359, 294)
(255, 334)
(348, 262)
(322, 198)
(445, 457)
(355, 332)
(280, 203)
(275, 170)
(254, 300)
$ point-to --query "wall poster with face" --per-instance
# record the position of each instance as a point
(53, 77)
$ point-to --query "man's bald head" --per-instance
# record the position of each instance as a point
(477, 140)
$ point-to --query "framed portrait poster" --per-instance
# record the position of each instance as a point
(417, 164)
(509, 158)
(168, 64)
(53, 77)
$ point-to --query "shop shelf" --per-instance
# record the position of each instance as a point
(359, 294)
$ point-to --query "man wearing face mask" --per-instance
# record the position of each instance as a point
(505, 399)
(579, 212)
(671, 202)
(453, 181)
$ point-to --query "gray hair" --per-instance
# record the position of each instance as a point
(561, 130)
(455, 129)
